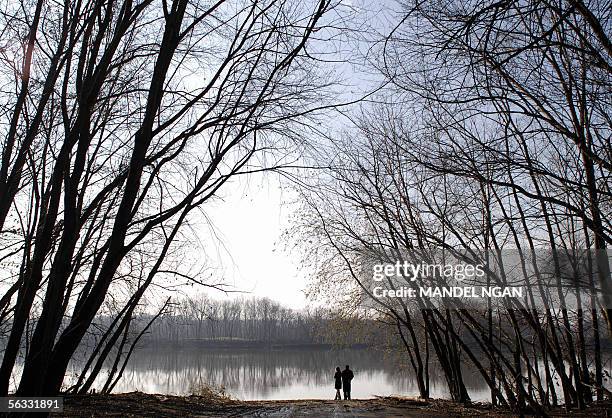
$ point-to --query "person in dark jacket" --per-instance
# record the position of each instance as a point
(338, 383)
(347, 376)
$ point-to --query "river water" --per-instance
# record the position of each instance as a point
(250, 374)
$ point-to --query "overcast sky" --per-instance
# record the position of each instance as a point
(249, 222)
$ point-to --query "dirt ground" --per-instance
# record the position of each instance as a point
(138, 404)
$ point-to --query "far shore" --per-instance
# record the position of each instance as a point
(138, 404)
(235, 343)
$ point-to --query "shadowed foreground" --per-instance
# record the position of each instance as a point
(146, 405)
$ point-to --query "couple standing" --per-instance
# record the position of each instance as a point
(343, 381)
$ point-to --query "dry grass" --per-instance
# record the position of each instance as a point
(211, 393)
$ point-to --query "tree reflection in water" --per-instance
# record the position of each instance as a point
(274, 374)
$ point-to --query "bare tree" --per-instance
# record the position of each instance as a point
(493, 134)
(126, 117)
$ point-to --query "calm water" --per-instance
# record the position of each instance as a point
(275, 374)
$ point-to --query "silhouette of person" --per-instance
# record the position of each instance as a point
(347, 376)
(338, 383)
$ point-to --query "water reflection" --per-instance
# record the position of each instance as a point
(275, 374)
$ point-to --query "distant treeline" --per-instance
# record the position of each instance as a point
(199, 317)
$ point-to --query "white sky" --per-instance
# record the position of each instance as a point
(249, 222)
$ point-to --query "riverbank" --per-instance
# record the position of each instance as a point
(137, 404)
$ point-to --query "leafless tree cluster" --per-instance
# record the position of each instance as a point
(118, 120)
(493, 135)
(258, 319)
